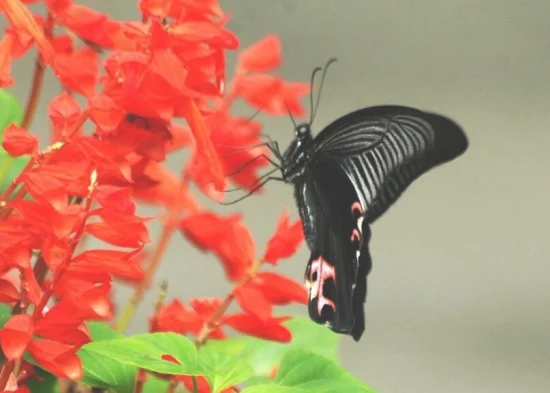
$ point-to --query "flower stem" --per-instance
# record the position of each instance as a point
(37, 79)
(130, 307)
(214, 320)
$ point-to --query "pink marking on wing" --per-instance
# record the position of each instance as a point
(356, 206)
(324, 271)
(355, 235)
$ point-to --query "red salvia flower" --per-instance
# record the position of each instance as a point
(64, 112)
(6, 45)
(253, 301)
(78, 70)
(16, 335)
(285, 241)
(280, 290)
(18, 141)
(270, 329)
(60, 359)
(20, 18)
(227, 237)
(263, 56)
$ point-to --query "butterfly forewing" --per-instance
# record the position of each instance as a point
(383, 149)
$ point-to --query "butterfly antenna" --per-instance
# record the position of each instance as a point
(290, 115)
(331, 60)
(315, 71)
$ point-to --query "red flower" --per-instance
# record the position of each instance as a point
(105, 113)
(60, 359)
(175, 317)
(270, 329)
(285, 241)
(8, 292)
(280, 290)
(253, 301)
(272, 94)
(64, 112)
(21, 18)
(16, 335)
(118, 263)
(5, 60)
(77, 71)
(18, 141)
(227, 237)
(263, 56)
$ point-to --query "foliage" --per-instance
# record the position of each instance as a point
(151, 88)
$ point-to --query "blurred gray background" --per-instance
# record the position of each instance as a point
(458, 296)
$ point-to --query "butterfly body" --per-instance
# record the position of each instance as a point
(347, 177)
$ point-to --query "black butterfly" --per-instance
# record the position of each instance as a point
(344, 179)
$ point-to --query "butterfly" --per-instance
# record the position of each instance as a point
(344, 179)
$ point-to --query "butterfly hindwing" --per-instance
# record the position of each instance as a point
(339, 261)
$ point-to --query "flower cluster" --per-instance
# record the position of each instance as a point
(151, 88)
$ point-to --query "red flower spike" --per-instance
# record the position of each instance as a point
(5, 61)
(117, 199)
(252, 301)
(117, 263)
(64, 112)
(175, 317)
(58, 6)
(74, 282)
(17, 141)
(95, 303)
(137, 87)
(227, 237)
(59, 359)
(56, 251)
(21, 18)
(8, 292)
(15, 336)
(105, 113)
(200, 9)
(21, 42)
(285, 241)
(32, 288)
(271, 94)
(89, 24)
(204, 145)
(156, 9)
(263, 56)
(280, 290)
(77, 71)
(62, 323)
(271, 329)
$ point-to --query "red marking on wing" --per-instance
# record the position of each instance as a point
(356, 206)
(324, 271)
(355, 236)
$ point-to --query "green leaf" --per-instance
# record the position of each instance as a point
(265, 355)
(221, 370)
(10, 110)
(273, 389)
(102, 372)
(155, 385)
(10, 167)
(315, 373)
(5, 314)
(44, 382)
(148, 351)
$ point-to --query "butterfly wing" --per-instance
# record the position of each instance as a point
(383, 149)
(338, 239)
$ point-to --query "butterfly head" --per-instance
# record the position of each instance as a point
(297, 155)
